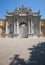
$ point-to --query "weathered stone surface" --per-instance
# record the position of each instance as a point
(24, 15)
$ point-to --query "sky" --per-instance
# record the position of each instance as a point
(10, 5)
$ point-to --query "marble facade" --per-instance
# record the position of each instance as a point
(23, 23)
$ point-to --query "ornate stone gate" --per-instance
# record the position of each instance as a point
(23, 30)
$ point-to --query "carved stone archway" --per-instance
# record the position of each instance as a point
(23, 30)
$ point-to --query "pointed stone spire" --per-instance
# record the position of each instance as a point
(39, 11)
(23, 7)
(29, 9)
(7, 11)
(16, 8)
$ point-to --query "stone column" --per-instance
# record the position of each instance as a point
(40, 28)
(28, 26)
(32, 27)
(7, 27)
(15, 26)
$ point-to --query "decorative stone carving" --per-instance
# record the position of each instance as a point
(20, 17)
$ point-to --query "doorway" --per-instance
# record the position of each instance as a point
(23, 30)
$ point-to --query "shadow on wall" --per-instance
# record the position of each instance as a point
(37, 56)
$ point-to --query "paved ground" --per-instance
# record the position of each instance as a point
(14, 51)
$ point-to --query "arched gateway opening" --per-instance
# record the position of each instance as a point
(23, 30)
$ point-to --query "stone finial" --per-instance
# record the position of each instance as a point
(7, 11)
(39, 11)
(29, 9)
(16, 8)
(22, 7)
